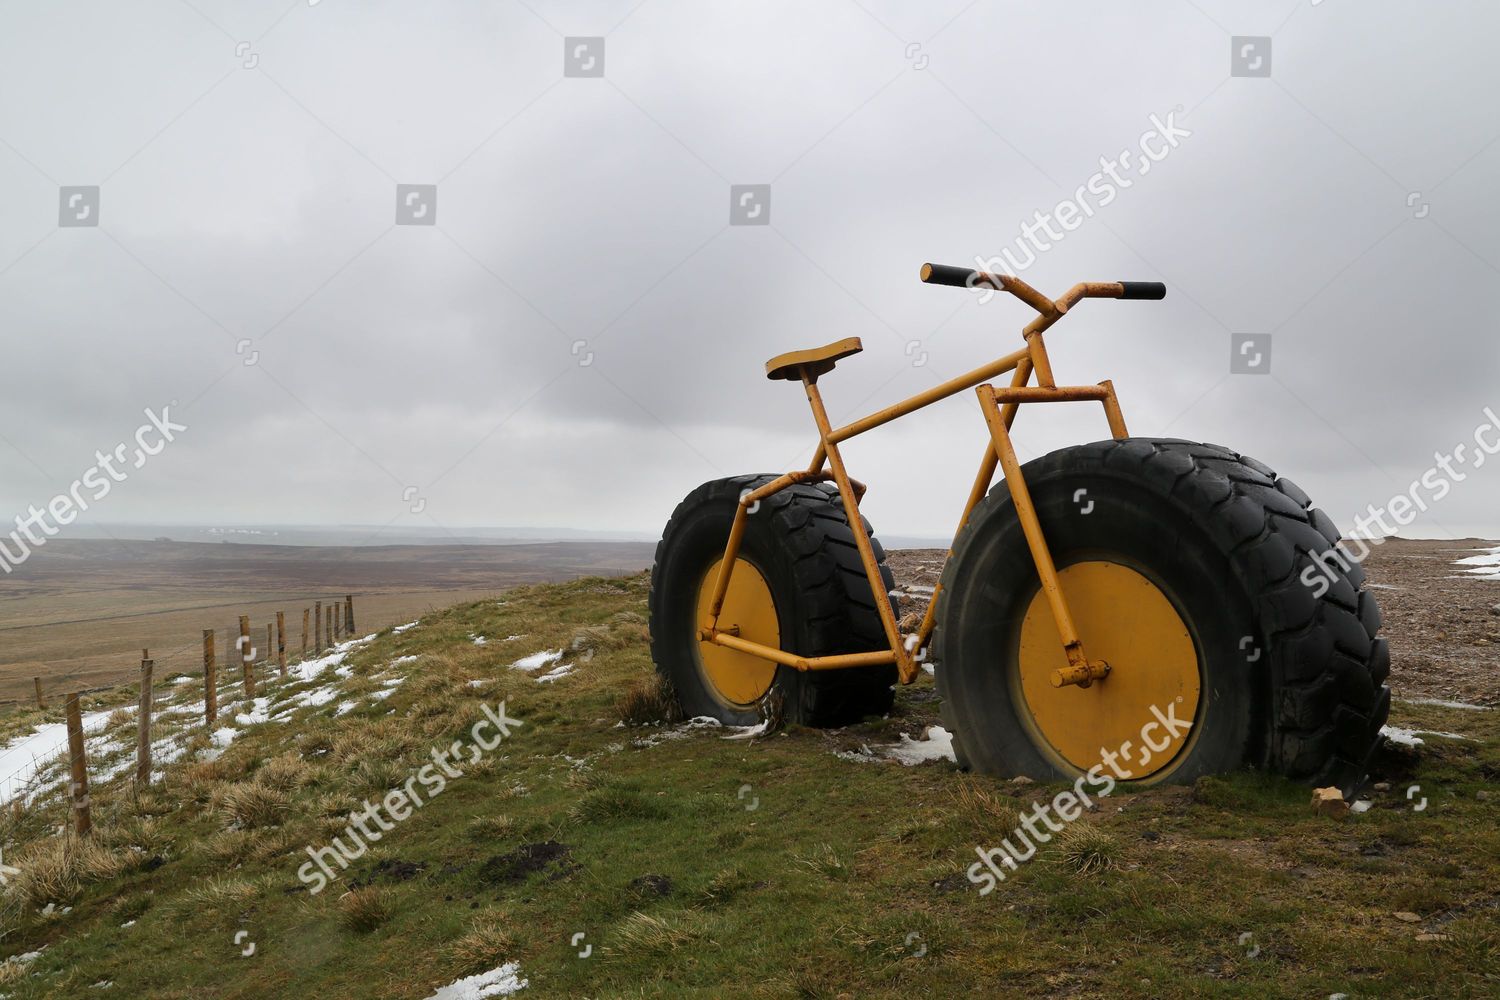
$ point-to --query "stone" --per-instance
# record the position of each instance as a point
(1407, 916)
(1330, 802)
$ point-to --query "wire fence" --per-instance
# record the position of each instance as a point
(63, 762)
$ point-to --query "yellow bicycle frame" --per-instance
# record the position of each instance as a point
(999, 406)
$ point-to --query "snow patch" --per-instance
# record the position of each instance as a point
(552, 675)
(498, 982)
(260, 711)
(23, 758)
(935, 744)
(1485, 566)
(1413, 737)
(747, 732)
(409, 625)
(681, 732)
(536, 661)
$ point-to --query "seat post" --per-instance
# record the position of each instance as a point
(905, 668)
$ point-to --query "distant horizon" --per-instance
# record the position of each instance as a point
(248, 533)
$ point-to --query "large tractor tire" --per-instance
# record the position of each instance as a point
(798, 585)
(1195, 573)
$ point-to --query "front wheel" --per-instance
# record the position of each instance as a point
(1235, 635)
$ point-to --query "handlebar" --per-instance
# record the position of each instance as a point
(968, 277)
(1142, 290)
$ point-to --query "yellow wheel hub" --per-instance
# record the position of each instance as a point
(1125, 620)
(739, 678)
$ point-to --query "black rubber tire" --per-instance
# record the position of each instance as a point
(801, 542)
(1233, 547)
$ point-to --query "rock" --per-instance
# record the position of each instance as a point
(1432, 937)
(1481, 642)
(1330, 802)
(1382, 786)
(1495, 609)
(1020, 779)
(1482, 795)
(1406, 915)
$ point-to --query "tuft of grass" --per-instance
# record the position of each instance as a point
(375, 774)
(642, 933)
(252, 805)
(364, 910)
(217, 893)
(486, 944)
(225, 848)
(725, 886)
(982, 808)
(1084, 850)
(484, 828)
(615, 800)
(824, 860)
(151, 802)
(144, 834)
(285, 773)
(647, 701)
(54, 870)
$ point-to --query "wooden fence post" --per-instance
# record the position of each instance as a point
(318, 626)
(247, 656)
(306, 612)
(143, 728)
(281, 643)
(335, 614)
(349, 613)
(37, 681)
(210, 681)
(83, 822)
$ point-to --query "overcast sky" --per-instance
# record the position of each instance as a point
(579, 340)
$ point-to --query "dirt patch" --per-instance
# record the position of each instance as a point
(515, 866)
(1441, 622)
(952, 883)
(399, 871)
(647, 886)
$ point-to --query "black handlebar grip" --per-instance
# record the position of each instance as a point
(1143, 290)
(947, 274)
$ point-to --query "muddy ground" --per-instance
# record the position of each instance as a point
(1442, 623)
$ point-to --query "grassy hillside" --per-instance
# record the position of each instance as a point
(694, 864)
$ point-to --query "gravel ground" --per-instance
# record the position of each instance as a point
(1442, 623)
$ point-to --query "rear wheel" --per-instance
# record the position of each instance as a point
(798, 585)
(1196, 574)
